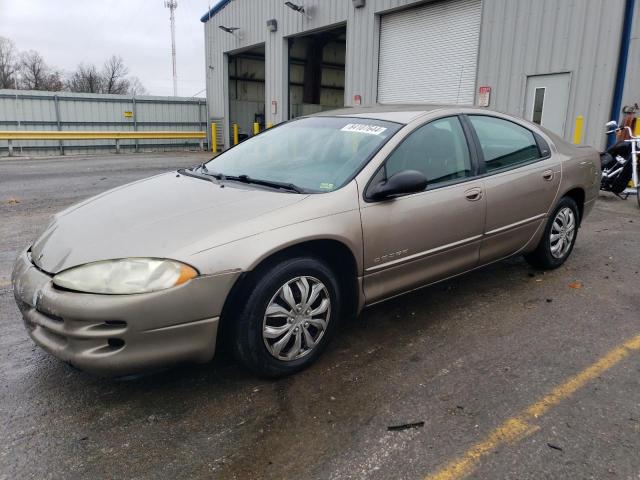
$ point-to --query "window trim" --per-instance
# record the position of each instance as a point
(536, 137)
(476, 164)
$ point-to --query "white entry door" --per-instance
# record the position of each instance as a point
(547, 100)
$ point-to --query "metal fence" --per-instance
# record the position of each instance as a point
(62, 111)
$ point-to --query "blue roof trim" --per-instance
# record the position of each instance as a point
(215, 9)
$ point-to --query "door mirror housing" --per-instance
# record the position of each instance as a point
(611, 126)
(402, 183)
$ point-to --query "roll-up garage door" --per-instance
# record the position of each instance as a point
(428, 54)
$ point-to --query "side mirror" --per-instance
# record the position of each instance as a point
(402, 183)
(611, 126)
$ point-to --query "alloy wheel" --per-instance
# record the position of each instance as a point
(563, 230)
(296, 318)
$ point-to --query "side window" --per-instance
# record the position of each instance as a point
(504, 144)
(438, 149)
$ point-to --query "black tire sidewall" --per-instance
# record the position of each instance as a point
(544, 252)
(248, 342)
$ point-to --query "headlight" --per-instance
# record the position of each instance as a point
(125, 276)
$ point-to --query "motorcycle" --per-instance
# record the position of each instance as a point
(619, 164)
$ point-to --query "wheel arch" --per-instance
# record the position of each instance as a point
(578, 194)
(336, 254)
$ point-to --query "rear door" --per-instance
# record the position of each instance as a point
(521, 181)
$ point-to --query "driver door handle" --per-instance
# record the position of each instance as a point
(548, 175)
(473, 194)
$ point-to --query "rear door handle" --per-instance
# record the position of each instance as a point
(547, 175)
(473, 194)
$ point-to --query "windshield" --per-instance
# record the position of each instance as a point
(317, 154)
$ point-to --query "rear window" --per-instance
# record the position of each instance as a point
(504, 144)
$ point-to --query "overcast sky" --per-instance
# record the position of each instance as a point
(67, 32)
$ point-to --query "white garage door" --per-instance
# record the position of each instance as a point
(429, 54)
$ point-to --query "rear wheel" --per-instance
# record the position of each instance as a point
(289, 317)
(559, 237)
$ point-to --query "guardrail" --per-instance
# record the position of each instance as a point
(105, 135)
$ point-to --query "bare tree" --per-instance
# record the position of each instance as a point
(86, 79)
(54, 81)
(114, 73)
(35, 74)
(8, 64)
(136, 87)
(29, 71)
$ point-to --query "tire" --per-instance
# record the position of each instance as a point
(259, 337)
(551, 253)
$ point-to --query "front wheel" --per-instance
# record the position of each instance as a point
(559, 237)
(289, 317)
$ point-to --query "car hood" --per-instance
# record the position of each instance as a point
(161, 216)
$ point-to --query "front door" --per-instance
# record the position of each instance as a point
(417, 239)
(547, 100)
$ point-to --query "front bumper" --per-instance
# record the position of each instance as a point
(114, 335)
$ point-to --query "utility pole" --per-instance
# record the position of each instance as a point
(172, 5)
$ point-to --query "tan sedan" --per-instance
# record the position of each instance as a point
(278, 239)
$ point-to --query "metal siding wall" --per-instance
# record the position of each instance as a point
(517, 38)
(251, 16)
(90, 112)
(632, 81)
(520, 38)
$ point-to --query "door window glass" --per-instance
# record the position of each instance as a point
(538, 105)
(504, 144)
(439, 150)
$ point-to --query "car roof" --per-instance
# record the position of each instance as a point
(394, 113)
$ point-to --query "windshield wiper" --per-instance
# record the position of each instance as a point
(203, 170)
(221, 177)
(192, 173)
(267, 183)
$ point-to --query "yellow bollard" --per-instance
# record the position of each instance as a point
(269, 125)
(235, 133)
(577, 132)
(214, 137)
(256, 128)
(637, 129)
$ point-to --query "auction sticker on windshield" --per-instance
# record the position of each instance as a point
(362, 128)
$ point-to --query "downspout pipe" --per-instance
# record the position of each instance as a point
(622, 64)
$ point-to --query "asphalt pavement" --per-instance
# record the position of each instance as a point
(503, 373)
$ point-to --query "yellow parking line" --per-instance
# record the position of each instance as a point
(4, 283)
(520, 426)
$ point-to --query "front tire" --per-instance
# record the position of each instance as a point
(559, 237)
(291, 313)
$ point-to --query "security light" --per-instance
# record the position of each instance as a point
(293, 6)
(230, 30)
